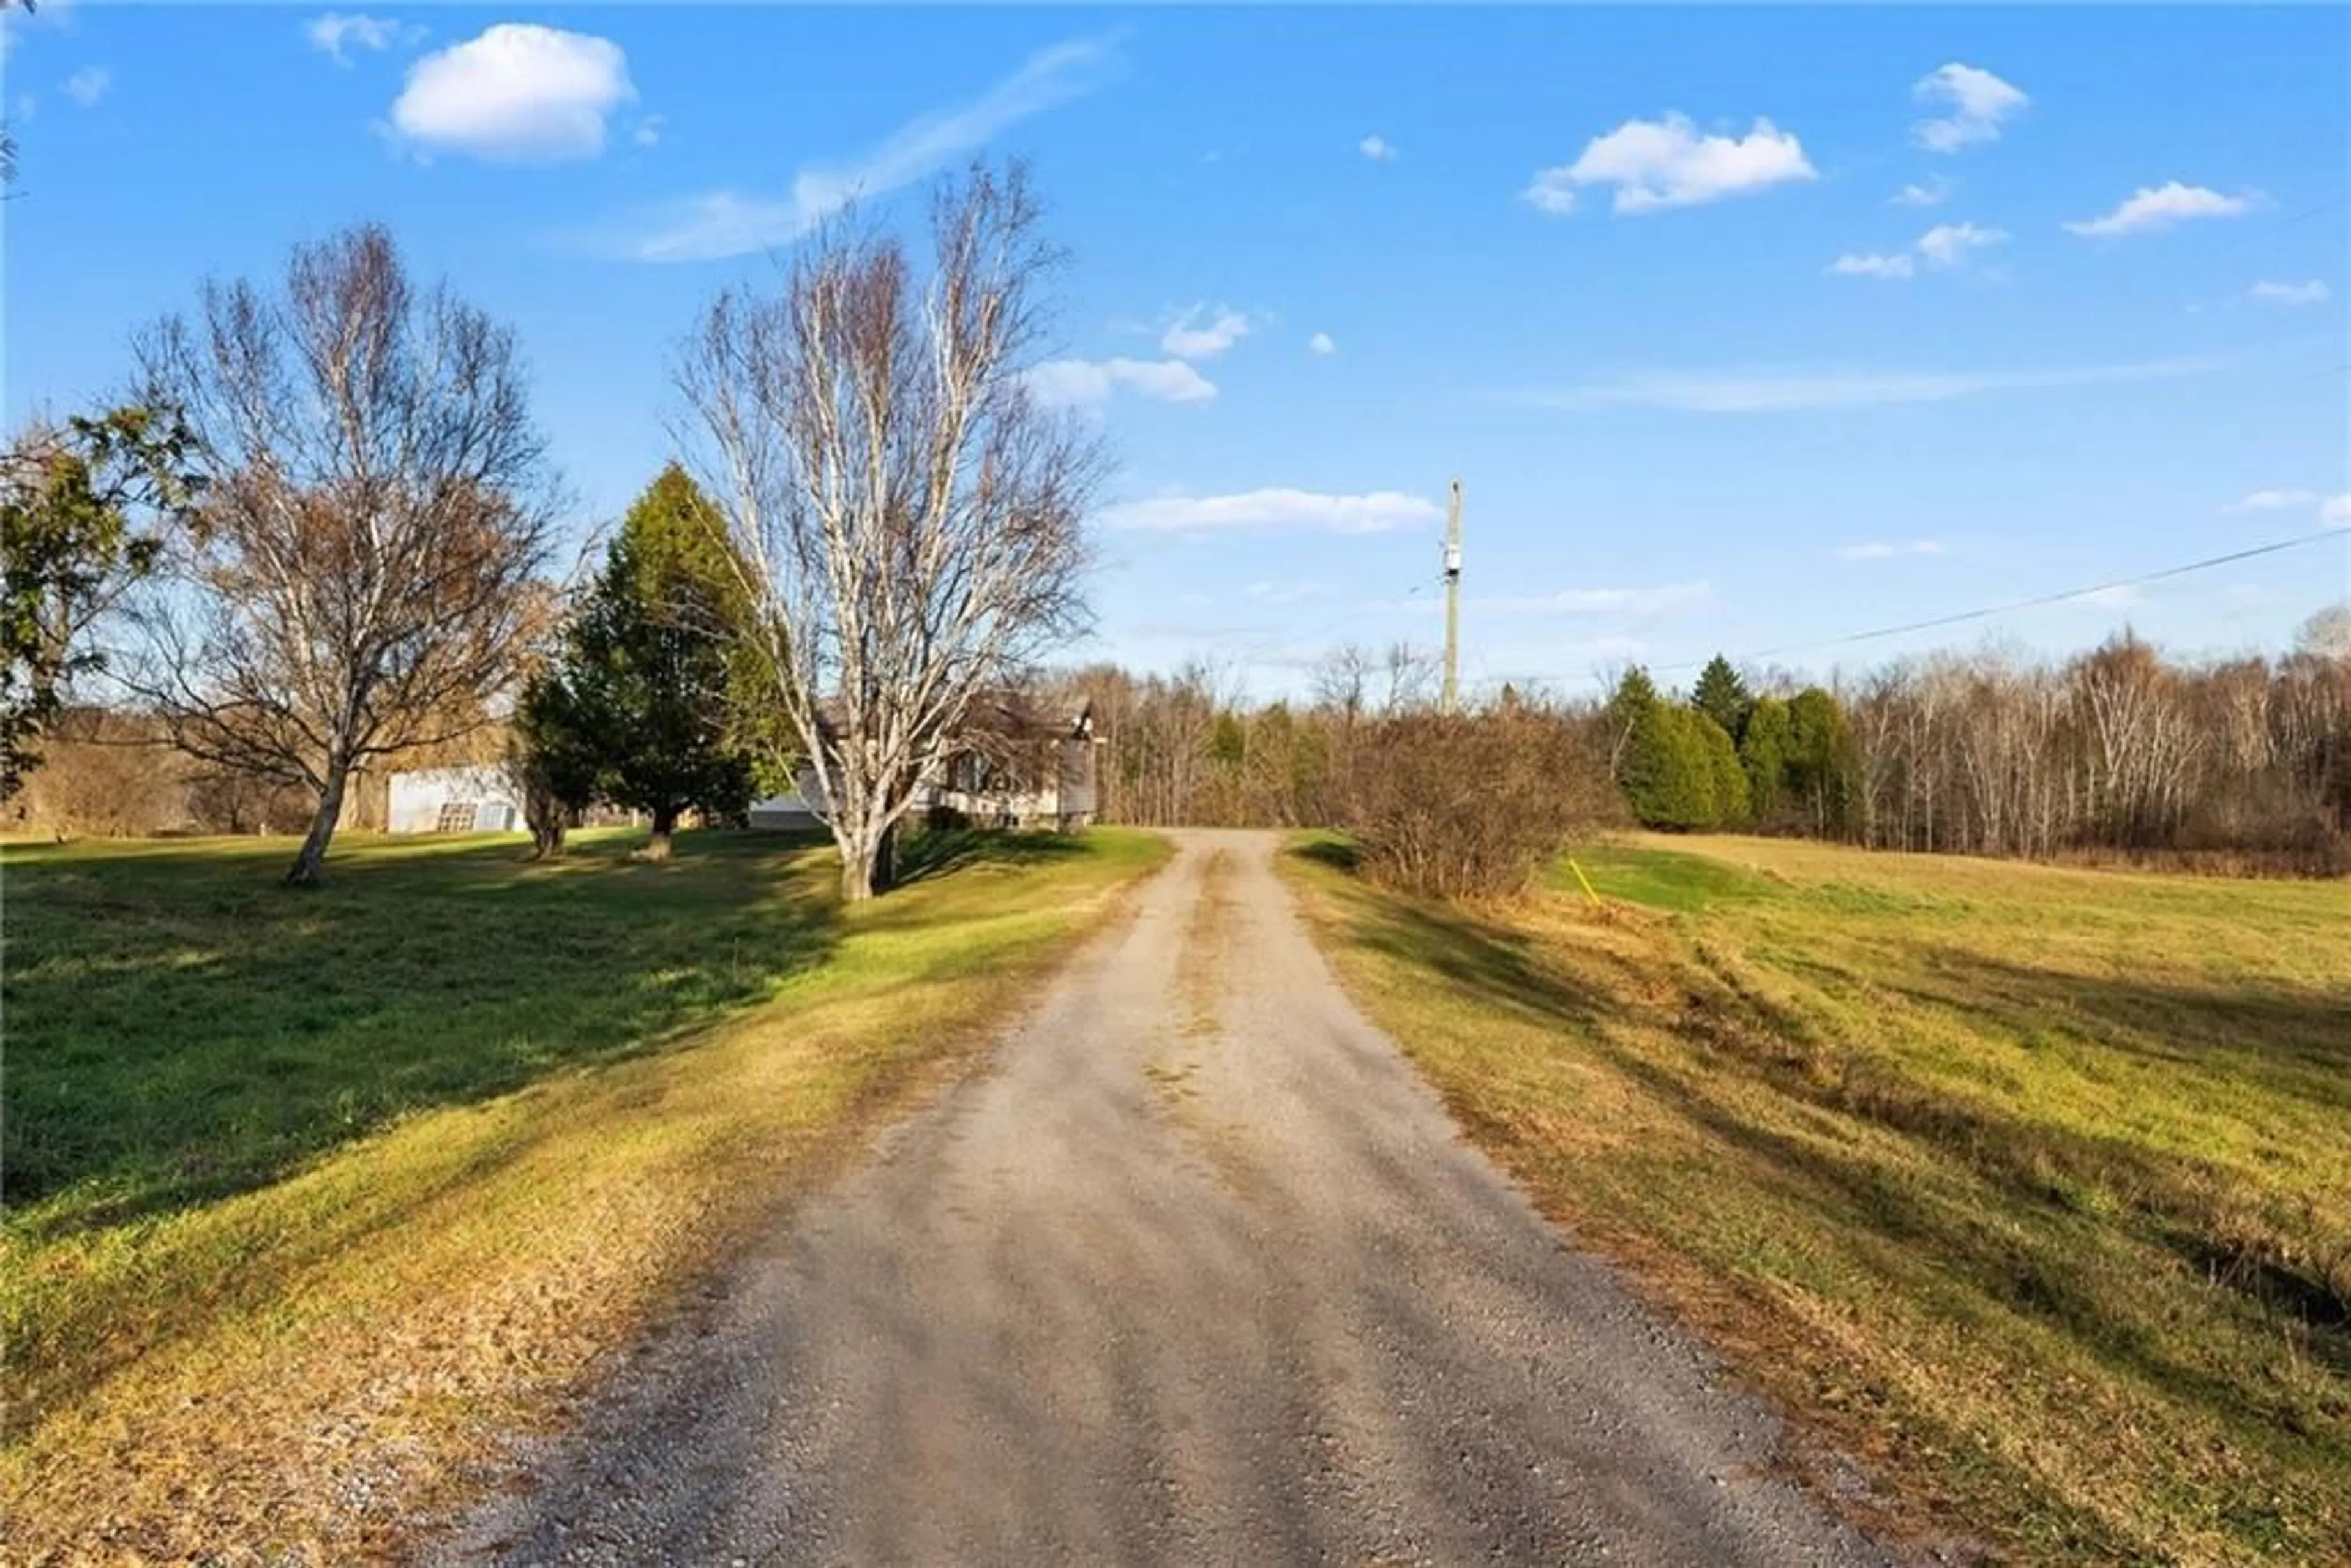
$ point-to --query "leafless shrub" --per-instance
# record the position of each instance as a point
(1473, 805)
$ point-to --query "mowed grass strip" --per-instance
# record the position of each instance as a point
(181, 1028)
(2032, 1186)
(283, 1326)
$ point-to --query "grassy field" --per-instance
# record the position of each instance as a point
(2030, 1187)
(313, 1194)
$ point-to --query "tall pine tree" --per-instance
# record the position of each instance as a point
(1633, 700)
(1679, 769)
(1723, 696)
(650, 683)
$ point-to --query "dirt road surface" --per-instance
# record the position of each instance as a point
(1198, 1272)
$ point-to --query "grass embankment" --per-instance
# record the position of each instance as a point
(2032, 1186)
(313, 1194)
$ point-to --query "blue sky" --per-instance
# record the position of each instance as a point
(1743, 328)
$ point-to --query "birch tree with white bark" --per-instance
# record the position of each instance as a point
(909, 516)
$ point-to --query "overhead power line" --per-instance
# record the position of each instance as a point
(2039, 601)
(1988, 611)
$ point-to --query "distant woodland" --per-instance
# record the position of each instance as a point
(2118, 752)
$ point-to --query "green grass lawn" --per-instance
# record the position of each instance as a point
(312, 1194)
(181, 1028)
(2030, 1185)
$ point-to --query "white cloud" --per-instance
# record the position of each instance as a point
(1933, 193)
(1322, 343)
(2311, 293)
(1604, 600)
(721, 223)
(2273, 501)
(1852, 265)
(1552, 192)
(2154, 207)
(1977, 102)
(2330, 509)
(1660, 163)
(518, 93)
(1944, 245)
(1947, 244)
(335, 33)
(1877, 549)
(1200, 333)
(648, 131)
(1378, 149)
(1733, 391)
(1089, 383)
(1376, 512)
(87, 85)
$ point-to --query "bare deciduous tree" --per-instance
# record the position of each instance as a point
(2244, 762)
(909, 516)
(378, 510)
(1341, 681)
(1411, 675)
(2327, 634)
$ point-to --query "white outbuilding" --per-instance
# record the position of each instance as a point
(477, 799)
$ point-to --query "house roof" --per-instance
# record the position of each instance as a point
(1001, 714)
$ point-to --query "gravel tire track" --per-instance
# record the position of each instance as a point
(1199, 1271)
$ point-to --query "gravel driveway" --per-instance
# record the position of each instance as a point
(1199, 1271)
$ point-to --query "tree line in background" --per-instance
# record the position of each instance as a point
(2117, 751)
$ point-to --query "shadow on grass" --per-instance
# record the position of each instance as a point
(2252, 1047)
(1987, 1206)
(926, 856)
(2288, 1041)
(1476, 954)
(1328, 850)
(2278, 1057)
(181, 1029)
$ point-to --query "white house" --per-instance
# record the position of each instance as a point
(1011, 767)
(476, 800)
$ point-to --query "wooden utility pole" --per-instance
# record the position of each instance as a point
(1453, 601)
